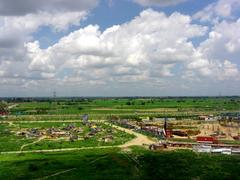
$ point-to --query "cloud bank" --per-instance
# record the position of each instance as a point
(152, 54)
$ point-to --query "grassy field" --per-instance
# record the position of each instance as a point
(11, 142)
(115, 164)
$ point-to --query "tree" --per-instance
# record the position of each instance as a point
(128, 103)
(3, 106)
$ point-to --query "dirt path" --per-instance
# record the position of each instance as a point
(12, 106)
(65, 171)
(11, 123)
(58, 150)
(138, 141)
(56, 174)
(38, 140)
(50, 121)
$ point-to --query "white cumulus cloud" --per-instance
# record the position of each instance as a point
(148, 47)
(159, 2)
(222, 9)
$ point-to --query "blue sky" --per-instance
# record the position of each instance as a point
(119, 47)
(118, 12)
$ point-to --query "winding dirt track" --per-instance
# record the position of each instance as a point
(139, 140)
(38, 140)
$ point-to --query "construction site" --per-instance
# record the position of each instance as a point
(212, 136)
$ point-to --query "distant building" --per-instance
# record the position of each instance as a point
(208, 117)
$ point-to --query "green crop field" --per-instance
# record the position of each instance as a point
(128, 106)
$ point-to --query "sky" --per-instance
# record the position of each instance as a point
(119, 48)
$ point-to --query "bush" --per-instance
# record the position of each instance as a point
(32, 167)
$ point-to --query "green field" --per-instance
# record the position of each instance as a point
(178, 106)
(115, 164)
(11, 142)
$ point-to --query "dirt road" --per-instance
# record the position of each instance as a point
(50, 121)
(12, 106)
(138, 141)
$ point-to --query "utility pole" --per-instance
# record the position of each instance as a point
(54, 94)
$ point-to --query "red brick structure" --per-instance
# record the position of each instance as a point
(207, 139)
